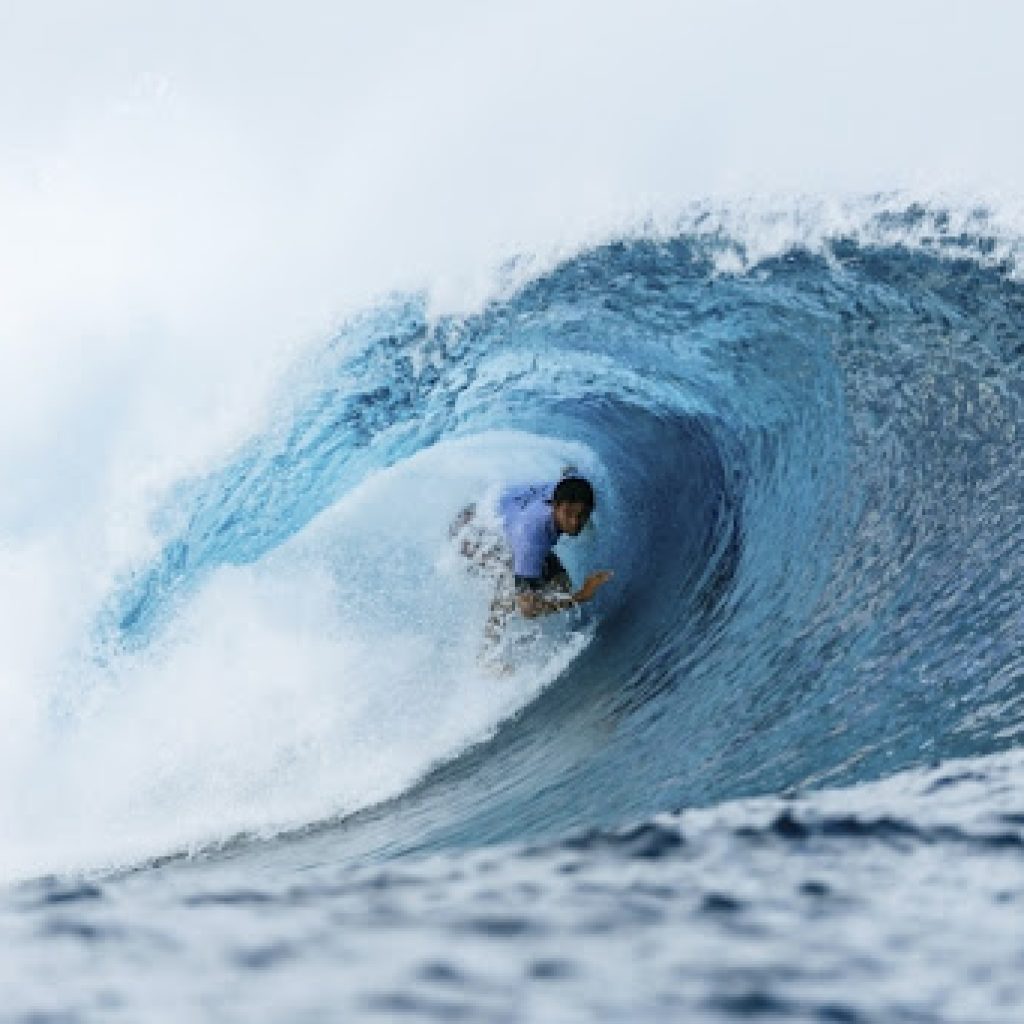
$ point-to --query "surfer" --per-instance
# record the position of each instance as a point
(530, 576)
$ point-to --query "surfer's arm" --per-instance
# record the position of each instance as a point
(532, 603)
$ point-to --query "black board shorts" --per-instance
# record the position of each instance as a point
(550, 570)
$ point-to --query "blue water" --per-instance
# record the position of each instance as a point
(722, 791)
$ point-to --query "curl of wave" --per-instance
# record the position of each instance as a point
(809, 478)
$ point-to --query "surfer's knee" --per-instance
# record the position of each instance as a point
(462, 520)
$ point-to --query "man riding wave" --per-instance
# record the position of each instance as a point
(531, 577)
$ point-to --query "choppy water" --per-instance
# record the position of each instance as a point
(897, 901)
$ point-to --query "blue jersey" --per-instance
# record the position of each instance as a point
(528, 520)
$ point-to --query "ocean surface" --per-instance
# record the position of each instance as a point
(773, 772)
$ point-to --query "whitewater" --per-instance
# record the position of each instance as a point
(283, 292)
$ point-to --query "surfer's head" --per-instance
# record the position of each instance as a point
(572, 503)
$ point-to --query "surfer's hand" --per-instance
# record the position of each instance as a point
(591, 585)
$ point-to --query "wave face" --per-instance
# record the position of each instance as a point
(809, 482)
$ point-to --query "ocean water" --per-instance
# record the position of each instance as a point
(253, 766)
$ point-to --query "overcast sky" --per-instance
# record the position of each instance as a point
(705, 94)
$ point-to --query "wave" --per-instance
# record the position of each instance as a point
(804, 443)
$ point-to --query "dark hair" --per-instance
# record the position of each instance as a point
(574, 489)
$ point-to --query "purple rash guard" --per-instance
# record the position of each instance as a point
(529, 525)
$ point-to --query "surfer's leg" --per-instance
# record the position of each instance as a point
(469, 537)
(462, 520)
(488, 555)
(503, 604)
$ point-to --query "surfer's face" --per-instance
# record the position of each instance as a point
(571, 516)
